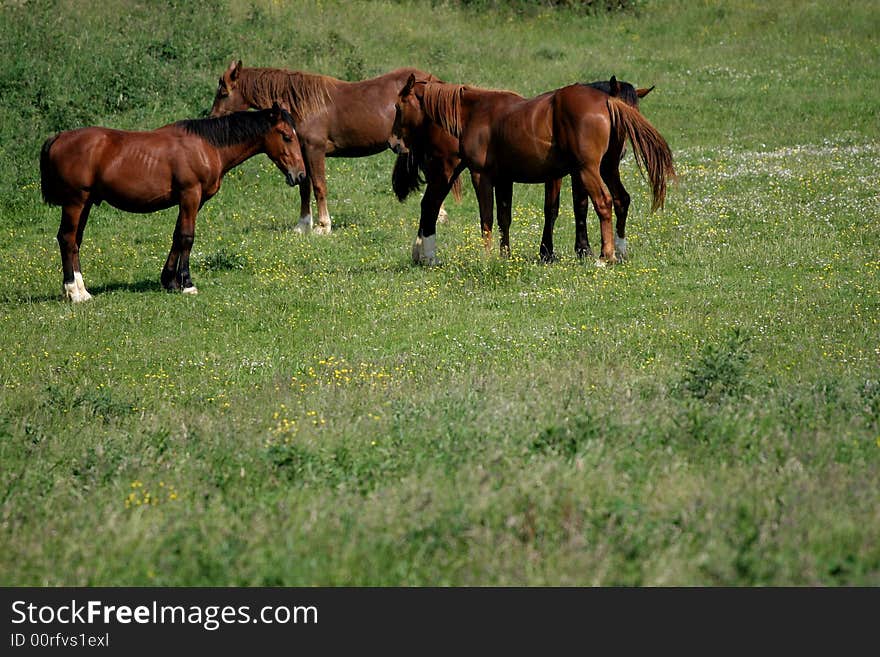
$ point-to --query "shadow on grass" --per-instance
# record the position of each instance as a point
(23, 297)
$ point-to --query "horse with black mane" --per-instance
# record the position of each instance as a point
(179, 164)
(333, 118)
(504, 138)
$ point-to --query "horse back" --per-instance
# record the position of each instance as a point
(135, 171)
(361, 114)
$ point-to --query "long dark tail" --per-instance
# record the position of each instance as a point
(48, 176)
(406, 177)
(650, 148)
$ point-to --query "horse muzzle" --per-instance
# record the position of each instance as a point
(398, 146)
(294, 180)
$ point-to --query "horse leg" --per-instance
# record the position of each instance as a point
(485, 199)
(73, 219)
(587, 184)
(611, 175)
(504, 199)
(580, 201)
(304, 225)
(439, 183)
(319, 183)
(552, 189)
(175, 273)
(189, 209)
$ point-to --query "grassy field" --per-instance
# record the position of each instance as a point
(324, 412)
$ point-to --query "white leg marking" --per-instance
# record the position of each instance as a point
(71, 292)
(442, 216)
(81, 286)
(620, 246)
(427, 250)
(324, 226)
(304, 227)
(190, 290)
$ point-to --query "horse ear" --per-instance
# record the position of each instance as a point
(641, 93)
(614, 86)
(234, 69)
(275, 111)
(410, 83)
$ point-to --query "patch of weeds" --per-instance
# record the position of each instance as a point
(719, 371)
(295, 461)
(550, 54)
(870, 395)
(566, 439)
(224, 260)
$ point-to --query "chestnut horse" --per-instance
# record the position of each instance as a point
(333, 118)
(610, 170)
(505, 138)
(437, 155)
(179, 164)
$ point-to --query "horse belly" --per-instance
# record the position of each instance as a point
(527, 165)
(137, 182)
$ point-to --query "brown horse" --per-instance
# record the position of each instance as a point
(436, 152)
(505, 138)
(610, 170)
(333, 118)
(179, 164)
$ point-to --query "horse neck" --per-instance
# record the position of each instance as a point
(233, 155)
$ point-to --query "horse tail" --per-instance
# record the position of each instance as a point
(406, 177)
(651, 151)
(48, 175)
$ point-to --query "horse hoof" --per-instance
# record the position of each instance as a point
(190, 290)
(302, 229)
(72, 293)
(322, 230)
(548, 258)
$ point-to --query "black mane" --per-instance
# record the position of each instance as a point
(627, 91)
(233, 128)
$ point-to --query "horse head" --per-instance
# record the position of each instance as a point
(282, 145)
(228, 98)
(408, 117)
(623, 90)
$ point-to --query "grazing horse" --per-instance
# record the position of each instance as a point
(333, 118)
(505, 138)
(179, 164)
(437, 153)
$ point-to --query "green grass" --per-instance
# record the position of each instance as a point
(324, 412)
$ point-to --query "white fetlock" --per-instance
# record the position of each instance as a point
(304, 226)
(442, 216)
(81, 286)
(192, 289)
(71, 293)
(601, 263)
(424, 250)
(620, 247)
(323, 227)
